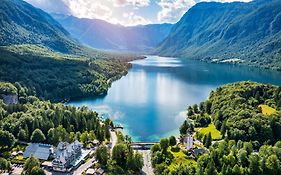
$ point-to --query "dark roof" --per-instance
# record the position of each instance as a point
(40, 151)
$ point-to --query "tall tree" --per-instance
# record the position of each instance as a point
(172, 141)
(119, 154)
(7, 139)
(208, 142)
(37, 136)
(30, 164)
(164, 144)
(102, 155)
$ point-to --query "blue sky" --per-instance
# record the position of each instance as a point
(125, 12)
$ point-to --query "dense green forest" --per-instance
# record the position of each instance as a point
(42, 121)
(248, 116)
(56, 76)
(36, 121)
(37, 52)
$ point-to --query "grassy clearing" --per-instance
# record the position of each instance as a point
(19, 157)
(216, 134)
(180, 159)
(267, 110)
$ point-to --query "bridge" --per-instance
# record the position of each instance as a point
(119, 126)
(142, 145)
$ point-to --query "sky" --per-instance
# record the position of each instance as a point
(124, 12)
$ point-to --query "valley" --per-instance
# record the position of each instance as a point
(140, 87)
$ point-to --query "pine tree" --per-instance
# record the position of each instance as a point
(208, 141)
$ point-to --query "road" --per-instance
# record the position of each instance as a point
(147, 166)
(114, 139)
(84, 167)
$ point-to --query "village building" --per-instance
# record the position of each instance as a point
(66, 156)
(38, 150)
(188, 141)
(197, 152)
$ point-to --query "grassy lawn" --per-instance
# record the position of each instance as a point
(19, 157)
(216, 134)
(266, 110)
(180, 158)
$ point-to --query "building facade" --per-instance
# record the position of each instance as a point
(65, 155)
(188, 141)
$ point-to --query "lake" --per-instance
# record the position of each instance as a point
(151, 100)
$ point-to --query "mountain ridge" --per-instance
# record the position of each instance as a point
(104, 35)
(220, 31)
(21, 23)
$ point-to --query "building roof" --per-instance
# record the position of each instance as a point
(65, 150)
(38, 150)
(90, 171)
(47, 163)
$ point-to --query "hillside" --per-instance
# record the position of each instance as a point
(250, 142)
(228, 32)
(21, 23)
(103, 35)
(39, 53)
(56, 76)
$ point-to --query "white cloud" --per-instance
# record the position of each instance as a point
(133, 19)
(136, 3)
(108, 10)
(172, 10)
(88, 9)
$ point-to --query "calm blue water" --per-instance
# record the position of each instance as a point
(150, 101)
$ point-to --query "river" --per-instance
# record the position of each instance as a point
(151, 100)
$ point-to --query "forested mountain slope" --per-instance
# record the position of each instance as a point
(245, 32)
(39, 53)
(103, 35)
(21, 23)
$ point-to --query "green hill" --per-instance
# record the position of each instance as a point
(39, 53)
(249, 33)
(21, 23)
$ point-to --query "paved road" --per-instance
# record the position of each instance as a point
(84, 167)
(147, 166)
(17, 171)
(113, 139)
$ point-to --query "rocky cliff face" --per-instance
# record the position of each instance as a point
(10, 99)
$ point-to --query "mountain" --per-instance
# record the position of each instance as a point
(38, 53)
(227, 32)
(103, 35)
(21, 23)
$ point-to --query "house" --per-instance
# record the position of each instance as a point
(66, 155)
(188, 141)
(16, 153)
(197, 152)
(92, 171)
(38, 150)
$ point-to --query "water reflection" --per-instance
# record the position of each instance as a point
(151, 100)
